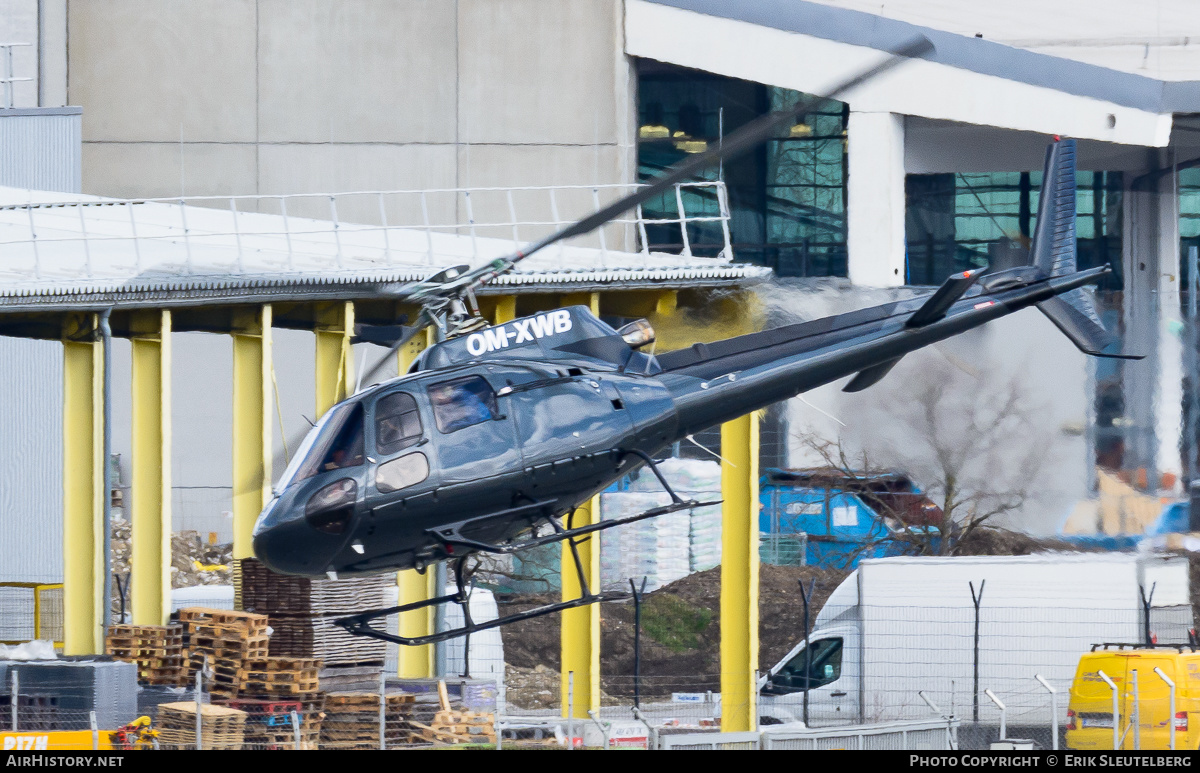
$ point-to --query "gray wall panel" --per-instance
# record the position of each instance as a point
(41, 149)
(30, 460)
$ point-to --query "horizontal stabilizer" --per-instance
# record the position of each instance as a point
(940, 302)
(870, 376)
(1074, 315)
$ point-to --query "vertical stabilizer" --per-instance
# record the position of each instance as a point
(1053, 249)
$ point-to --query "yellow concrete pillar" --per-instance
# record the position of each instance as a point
(591, 300)
(252, 435)
(581, 625)
(506, 309)
(83, 489)
(739, 574)
(335, 361)
(151, 524)
(415, 662)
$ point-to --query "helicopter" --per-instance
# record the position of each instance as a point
(498, 433)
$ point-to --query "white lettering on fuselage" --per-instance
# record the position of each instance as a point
(519, 332)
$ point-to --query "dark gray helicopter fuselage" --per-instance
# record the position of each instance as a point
(560, 408)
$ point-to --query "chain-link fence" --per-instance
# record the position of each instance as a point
(31, 611)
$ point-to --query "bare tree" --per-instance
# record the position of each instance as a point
(974, 442)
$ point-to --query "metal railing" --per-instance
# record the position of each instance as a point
(47, 613)
(709, 741)
(257, 233)
(6, 55)
(783, 549)
(922, 734)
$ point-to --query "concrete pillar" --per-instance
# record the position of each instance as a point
(591, 300)
(739, 575)
(1168, 397)
(1153, 386)
(252, 435)
(415, 662)
(334, 360)
(581, 625)
(875, 199)
(83, 489)
(151, 524)
(506, 309)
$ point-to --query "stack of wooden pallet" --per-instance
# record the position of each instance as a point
(279, 677)
(269, 721)
(220, 726)
(222, 641)
(455, 727)
(156, 649)
(352, 720)
(302, 611)
(269, 690)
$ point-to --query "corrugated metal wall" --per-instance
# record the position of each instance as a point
(41, 148)
(30, 460)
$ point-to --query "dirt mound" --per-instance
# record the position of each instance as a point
(681, 634)
(1002, 542)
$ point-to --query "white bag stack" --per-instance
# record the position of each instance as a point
(669, 547)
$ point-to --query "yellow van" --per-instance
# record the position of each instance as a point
(1090, 717)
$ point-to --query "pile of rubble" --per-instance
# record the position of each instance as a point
(193, 560)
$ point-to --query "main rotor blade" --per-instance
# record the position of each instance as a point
(423, 321)
(745, 138)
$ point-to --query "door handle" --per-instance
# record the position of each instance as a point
(837, 694)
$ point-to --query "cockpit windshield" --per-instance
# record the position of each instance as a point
(334, 443)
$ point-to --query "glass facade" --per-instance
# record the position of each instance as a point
(956, 222)
(787, 198)
(1189, 240)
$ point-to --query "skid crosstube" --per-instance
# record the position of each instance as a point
(359, 625)
(451, 536)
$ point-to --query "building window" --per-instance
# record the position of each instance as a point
(956, 222)
(461, 403)
(787, 198)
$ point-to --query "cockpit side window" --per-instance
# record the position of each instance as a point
(338, 442)
(345, 448)
(462, 402)
(397, 423)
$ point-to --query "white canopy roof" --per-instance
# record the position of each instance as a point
(81, 251)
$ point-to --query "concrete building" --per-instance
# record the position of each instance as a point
(931, 169)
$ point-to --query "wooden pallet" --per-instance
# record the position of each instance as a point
(455, 734)
(205, 615)
(257, 687)
(156, 649)
(284, 664)
(261, 590)
(220, 727)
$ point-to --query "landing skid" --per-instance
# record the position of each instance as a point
(451, 537)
